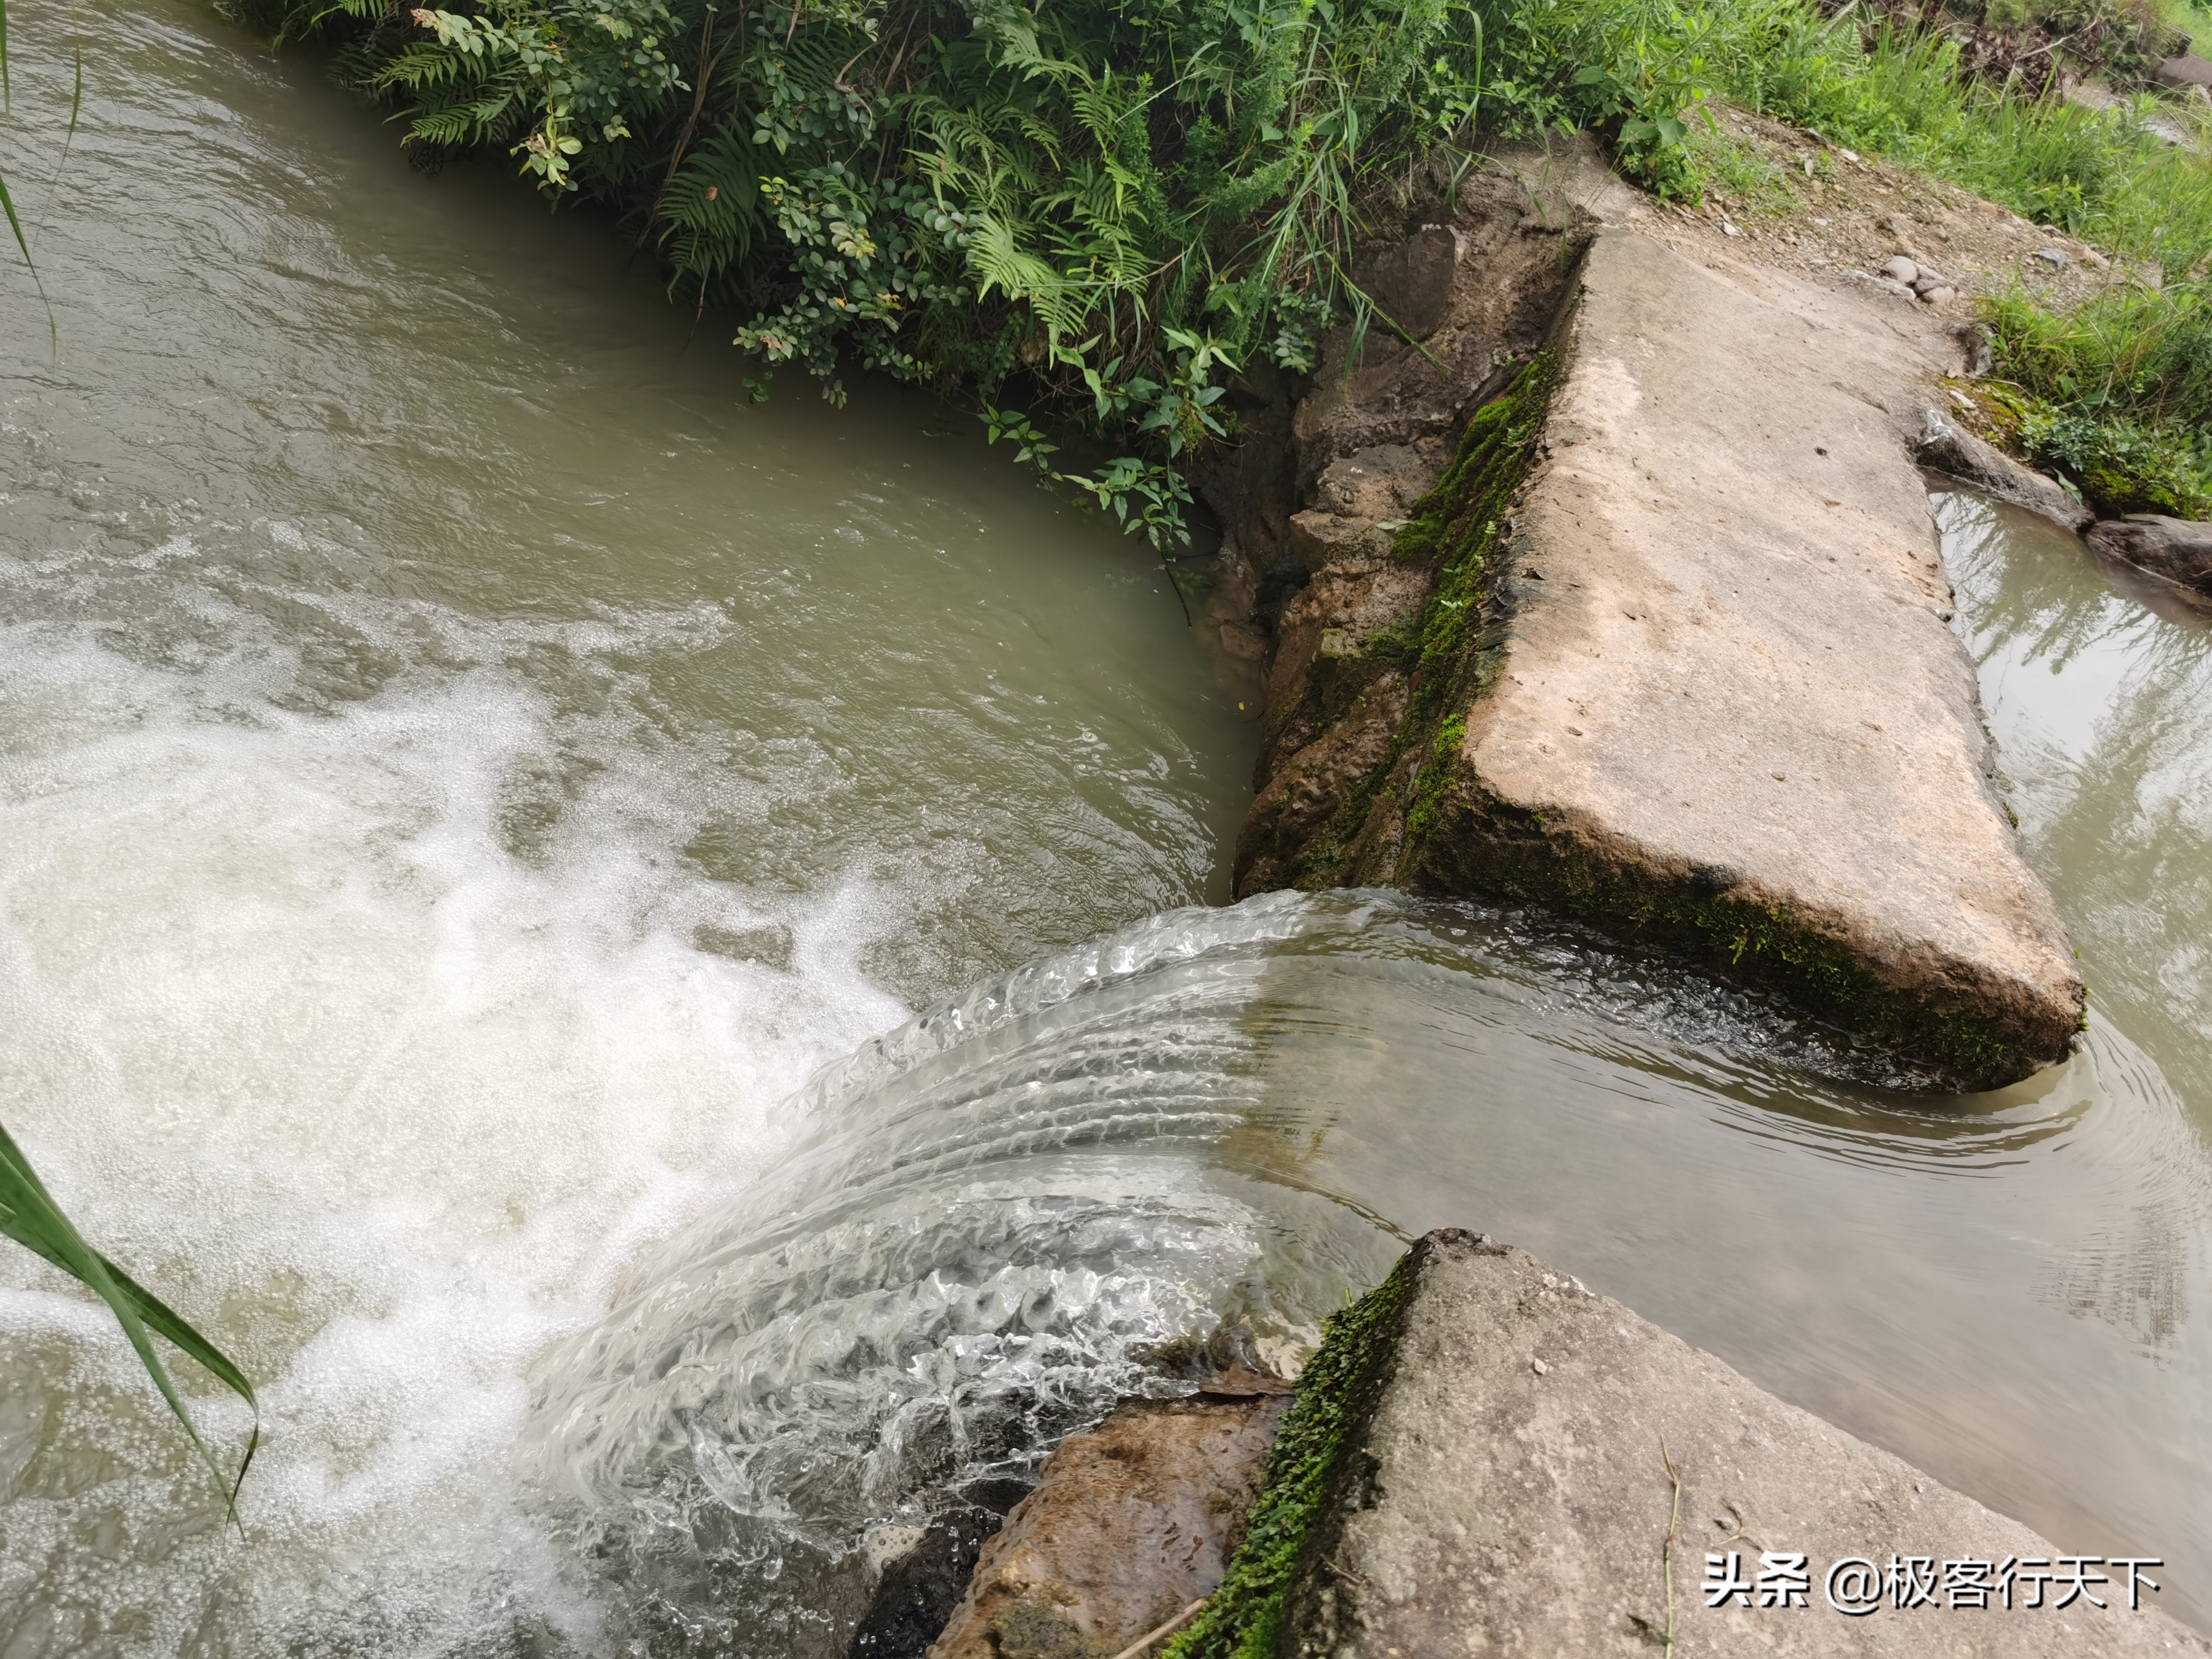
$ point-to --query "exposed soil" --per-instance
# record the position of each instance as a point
(1792, 201)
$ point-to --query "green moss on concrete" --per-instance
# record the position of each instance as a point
(1478, 845)
(1243, 1619)
(1425, 815)
(1449, 651)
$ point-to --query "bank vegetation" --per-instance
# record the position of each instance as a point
(1093, 214)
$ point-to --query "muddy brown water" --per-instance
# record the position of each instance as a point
(464, 774)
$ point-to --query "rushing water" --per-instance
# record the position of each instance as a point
(479, 805)
(461, 768)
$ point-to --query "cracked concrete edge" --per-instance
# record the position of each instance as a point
(1509, 1493)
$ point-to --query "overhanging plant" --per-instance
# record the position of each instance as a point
(29, 1215)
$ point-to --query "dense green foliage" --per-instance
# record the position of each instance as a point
(2120, 394)
(1105, 209)
(1114, 203)
(1108, 207)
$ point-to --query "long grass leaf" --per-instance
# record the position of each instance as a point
(29, 1215)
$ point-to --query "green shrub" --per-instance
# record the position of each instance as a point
(1103, 206)
(1107, 208)
(2121, 467)
(2120, 393)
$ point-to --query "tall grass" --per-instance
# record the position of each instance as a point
(2103, 174)
(2120, 393)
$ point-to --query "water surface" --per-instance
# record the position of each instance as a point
(461, 767)
(479, 805)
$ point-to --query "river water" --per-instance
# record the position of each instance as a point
(644, 963)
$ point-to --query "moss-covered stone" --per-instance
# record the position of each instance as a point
(1243, 1619)
(1475, 844)
(1449, 650)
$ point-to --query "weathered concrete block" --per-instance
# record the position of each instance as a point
(1510, 1493)
(2183, 72)
(1727, 708)
(1946, 447)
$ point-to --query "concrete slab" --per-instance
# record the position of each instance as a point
(1727, 709)
(1510, 1494)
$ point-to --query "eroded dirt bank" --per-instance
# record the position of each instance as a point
(1614, 587)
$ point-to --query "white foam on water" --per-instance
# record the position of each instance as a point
(296, 1031)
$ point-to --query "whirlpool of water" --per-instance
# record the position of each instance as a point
(645, 963)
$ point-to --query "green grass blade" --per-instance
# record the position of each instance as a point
(8, 206)
(23, 244)
(29, 1215)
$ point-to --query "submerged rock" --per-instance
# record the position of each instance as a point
(1130, 1524)
(2179, 550)
(1948, 449)
(1506, 1464)
(920, 1579)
